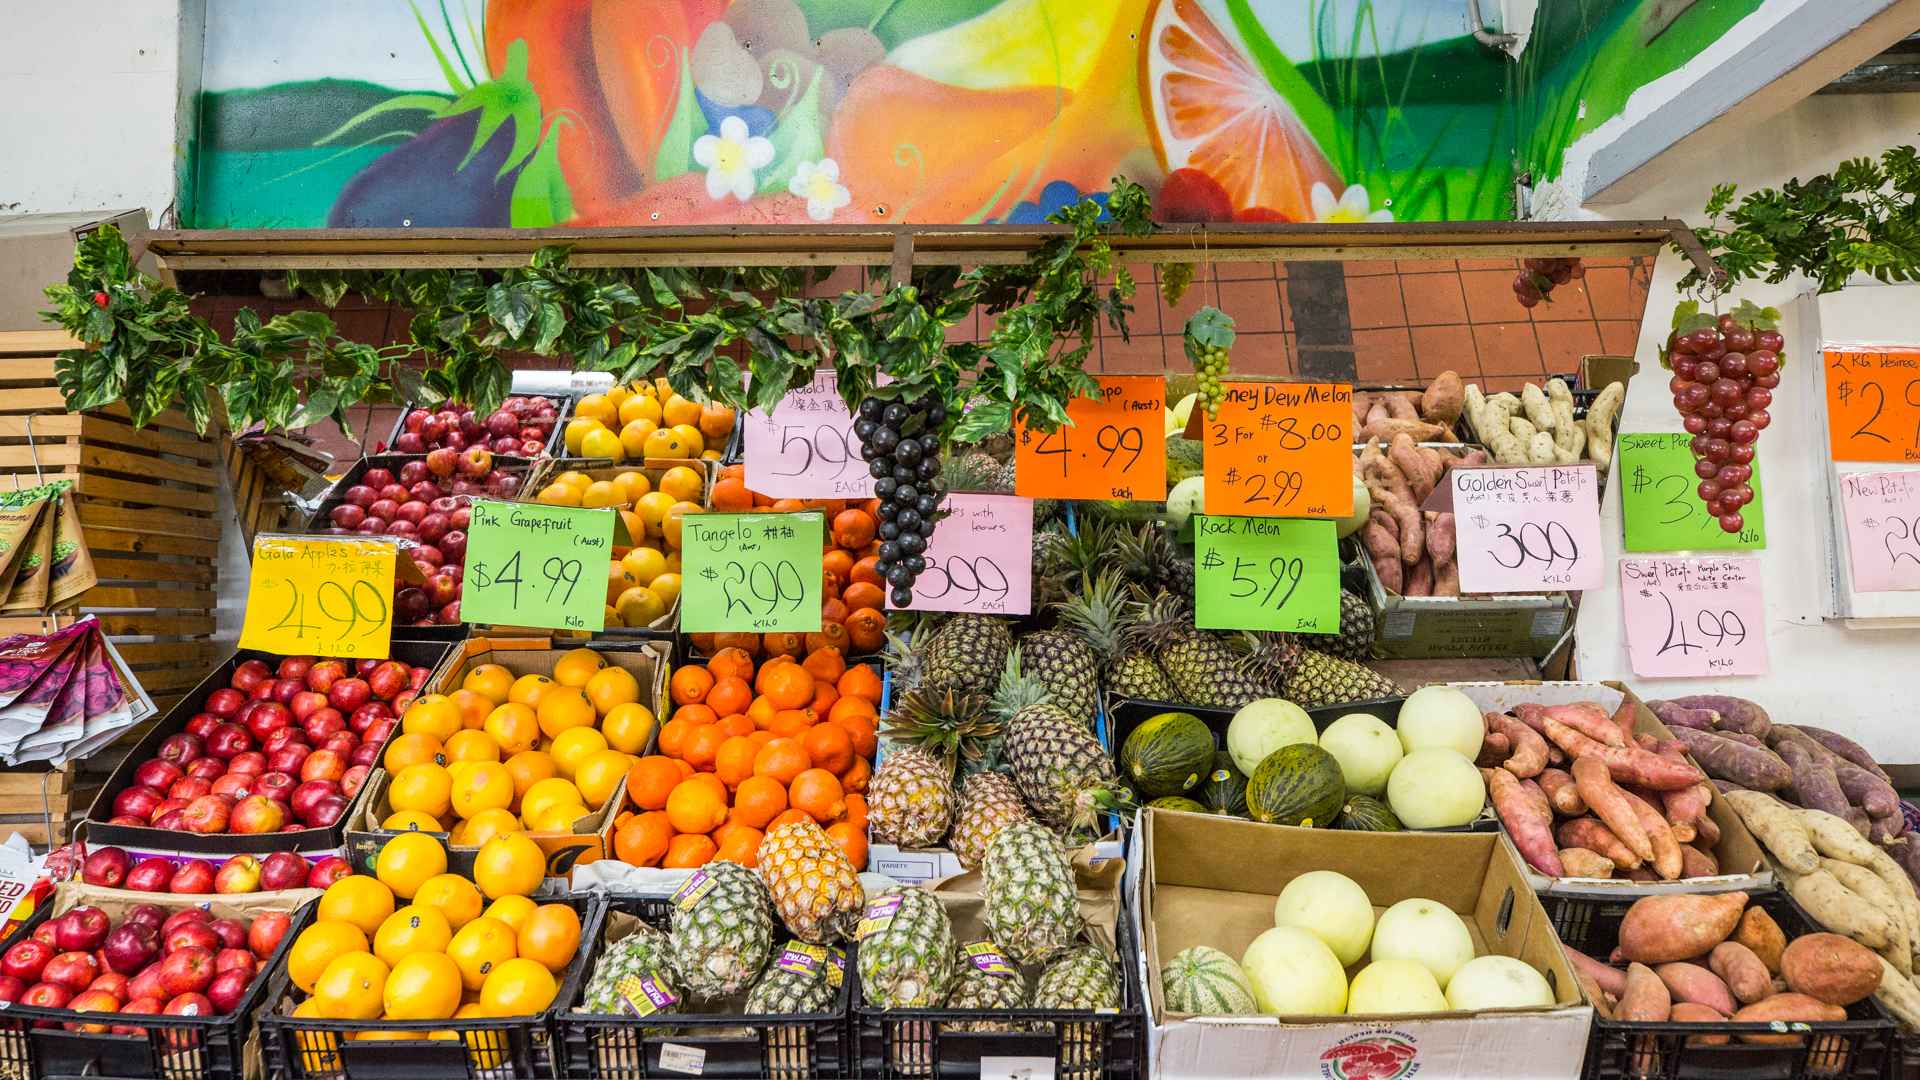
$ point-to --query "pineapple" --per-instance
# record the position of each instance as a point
(1311, 679)
(1355, 640)
(1059, 766)
(802, 979)
(1153, 558)
(1097, 614)
(644, 953)
(722, 930)
(814, 886)
(1084, 978)
(905, 951)
(1203, 668)
(984, 980)
(1062, 661)
(950, 725)
(910, 798)
(989, 801)
(1032, 903)
(968, 653)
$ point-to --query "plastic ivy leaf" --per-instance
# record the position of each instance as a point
(796, 138)
(675, 153)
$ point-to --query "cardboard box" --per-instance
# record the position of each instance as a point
(37, 251)
(1738, 853)
(1208, 880)
(591, 836)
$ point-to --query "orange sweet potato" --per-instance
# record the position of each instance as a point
(1830, 968)
(1691, 982)
(1646, 997)
(1743, 972)
(1759, 933)
(1789, 1007)
(1661, 929)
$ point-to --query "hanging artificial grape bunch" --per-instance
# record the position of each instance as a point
(900, 441)
(1725, 370)
(1541, 276)
(1207, 337)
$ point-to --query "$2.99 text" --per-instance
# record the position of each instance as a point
(764, 588)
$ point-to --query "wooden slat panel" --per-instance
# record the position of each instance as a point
(32, 399)
(100, 457)
(199, 655)
(141, 624)
(152, 570)
(102, 596)
(170, 418)
(40, 426)
(27, 369)
(36, 341)
(100, 540)
(26, 781)
(159, 522)
(106, 429)
(101, 487)
(45, 454)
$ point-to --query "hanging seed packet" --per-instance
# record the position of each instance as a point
(29, 592)
(73, 571)
(19, 512)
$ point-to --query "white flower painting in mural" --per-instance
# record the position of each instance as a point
(1352, 205)
(731, 158)
(818, 182)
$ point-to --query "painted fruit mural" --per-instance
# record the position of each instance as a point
(525, 113)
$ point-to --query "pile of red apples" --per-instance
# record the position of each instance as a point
(115, 868)
(521, 426)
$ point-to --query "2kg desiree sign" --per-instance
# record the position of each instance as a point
(530, 564)
(1528, 530)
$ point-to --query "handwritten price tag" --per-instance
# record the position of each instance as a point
(1266, 574)
(1115, 447)
(331, 596)
(1883, 530)
(1281, 450)
(1532, 529)
(1873, 404)
(979, 558)
(757, 573)
(536, 565)
(806, 448)
(1694, 618)
(1661, 506)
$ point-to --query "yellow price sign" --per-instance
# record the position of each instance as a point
(321, 595)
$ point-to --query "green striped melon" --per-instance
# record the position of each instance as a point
(1177, 802)
(1167, 754)
(1364, 813)
(1298, 784)
(1224, 791)
(1206, 982)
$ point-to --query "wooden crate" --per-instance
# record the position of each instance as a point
(262, 476)
(40, 803)
(149, 504)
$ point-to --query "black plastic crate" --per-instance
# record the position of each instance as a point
(729, 1046)
(34, 1043)
(1082, 1045)
(301, 1048)
(1865, 1046)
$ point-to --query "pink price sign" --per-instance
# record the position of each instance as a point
(806, 448)
(1694, 618)
(980, 558)
(1527, 530)
(1883, 529)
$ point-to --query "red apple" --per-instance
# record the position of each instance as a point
(248, 763)
(412, 512)
(369, 714)
(308, 795)
(361, 495)
(328, 810)
(340, 742)
(27, 959)
(324, 723)
(476, 462)
(423, 491)
(235, 786)
(377, 477)
(158, 773)
(356, 776)
(442, 461)
(275, 785)
(283, 870)
(321, 676)
(171, 804)
(46, 995)
(442, 589)
(128, 820)
(187, 789)
(288, 758)
(137, 801)
(83, 928)
(235, 959)
(151, 1005)
(455, 441)
(92, 1001)
(255, 814)
(454, 546)
(182, 917)
(227, 741)
(210, 813)
(228, 989)
(402, 529)
(44, 933)
(190, 935)
(250, 673)
(191, 1005)
(130, 947)
(152, 874)
(349, 694)
(193, 876)
(305, 704)
(171, 821)
(327, 871)
(284, 689)
(387, 680)
(106, 867)
(413, 472)
(294, 667)
(181, 748)
(366, 755)
(73, 970)
(382, 512)
(225, 702)
(232, 932)
(112, 982)
(449, 615)
(460, 518)
(201, 725)
(11, 989)
(146, 915)
(207, 768)
(286, 736)
(347, 515)
(394, 493)
(187, 970)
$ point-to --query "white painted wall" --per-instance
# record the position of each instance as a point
(1862, 682)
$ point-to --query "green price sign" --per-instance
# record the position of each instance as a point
(1261, 573)
(757, 573)
(535, 565)
(1660, 502)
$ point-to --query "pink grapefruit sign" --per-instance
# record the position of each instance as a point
(1883, 529)
(980, 558)
(1694, 618)
(806, 449)
(1528, 530)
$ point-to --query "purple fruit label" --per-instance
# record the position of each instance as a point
(696, 887)
(801, 959)
(836, 967)
(988, 958)
(645, 995)
(879, 914)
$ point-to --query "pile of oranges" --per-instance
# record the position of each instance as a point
(642, 580)
(507, 754)
(853, 614)
(646, 420)
(748, 749)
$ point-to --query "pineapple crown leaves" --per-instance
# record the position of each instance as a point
(1097, 614)
(1016, 690)
(952, 725)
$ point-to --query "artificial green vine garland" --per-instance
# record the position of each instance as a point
(145, 347)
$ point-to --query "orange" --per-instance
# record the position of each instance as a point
(681, 482)
(557, 494)
(859, 720)
(742, 846)
(866, 632)
(414, 749)
(860, 681)
(411, 821)
(639, 407)
(642, 840)
(734, 761)
(486, 825)
(824, 698)
(611, 687)
(650, 781)
(453, 896)
(818, 792)
(702, 745)
(556, 818)
(759, 800)
(645, 564)
(551, 936)
(473, 707)
(564, 708)
(633, 440)
(790, 686)
(627, 727)
(486, 785)
(791, 817)
(737, 724)
(427, 788)
(356, 899)
(680, 410)
(470, 745)
(573, 746)
(671, 527)
(598, 776)
(632, 484)
(730, 694)
(577, 667)
(424, 986)
(432, 714)
(405, 862)
(789, 723)
(697, 804)
(601, 494)
(512, 910)
(690, 685)
(1210, 109)
(857, 776)
(853, 529)
(861, 596)
(490, 681)
(515, 727)
(600, 442)
(619, 580)
(529, 767)
(597, 407)
(731, 495)
(715, 421)
(695, 715)
(672, 734)
(318, 945)
(529, 689)
(782, 759)
(852, 839)
(856, 809)
(731, 662)
(761, 712)
(412, 929)
(546, 794)
(689, 850)
(825, 665)
(518, 987)
(351, 987)
(478, 947)
(509, 865)
(765, 675)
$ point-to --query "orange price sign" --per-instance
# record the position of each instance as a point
(1873, 404)
(1281, 449)
(1115, 446)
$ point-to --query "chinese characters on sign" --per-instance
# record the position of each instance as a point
(806, 448)
(755, 573)
(1883, 529)
(328, 595)
(1694, 618)
(1528, 530)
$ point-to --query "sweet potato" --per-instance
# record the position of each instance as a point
(1751, 767)
(1660, 929)
(1666, 849)
(1691, 982)
(1611, 805)
(1420, 579)
(1864, 883)
(1778, 827)
(1737, 714)
(1886, 828)
(1418, 430)
(1529, 749)
(1562, 792)
(1580, 862)
(1789, 1008)
(1763, 937)
(1863, 787)
(1406, 516)
(1443, 398)
(1441, 539)
(1844, 747)
(1590, 720)
(1677, 716)
(1422, 472)
(1529, 823)
(1835, 838)
(1610, 979)
(1696, 863)
(1683, 807)
(1743, 972)
(1695, 1013)
(1899, 995)
(1494, 749)
(1830, 968)
(1706, 832)
(1446, 580)
(1900, 887)
(1632, 765)
(1642, 873)
(1589, 833)
(1646, 997)
(1814, 784)
(1838, 908)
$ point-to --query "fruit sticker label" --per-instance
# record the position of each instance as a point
(801, 958)
(758, 573)
(645, 995)
(1883, 530)
(979, 558)
(1281, 450)
(1114, 445)
(534, 565)
(1527, 530)
(878, 914)
(1694, 618)
(695, 887)
(805, 448)
(1873, 403)
(836, 967)
(987, 956)
(1660, 502)
(1255, 573)
(326, 595)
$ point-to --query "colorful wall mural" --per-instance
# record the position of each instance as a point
(681, 112)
